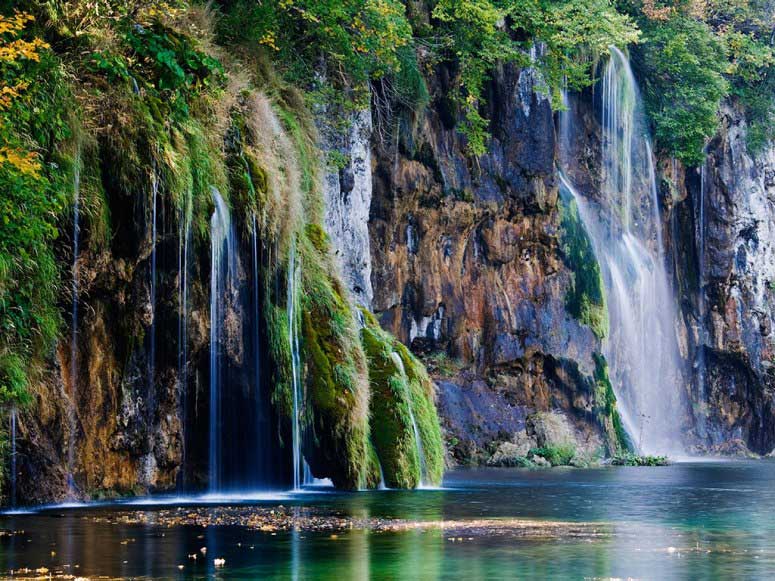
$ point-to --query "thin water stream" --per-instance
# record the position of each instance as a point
(223, 269)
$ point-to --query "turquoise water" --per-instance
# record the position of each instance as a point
(691, 520)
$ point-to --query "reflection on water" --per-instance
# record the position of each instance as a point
(686, 520)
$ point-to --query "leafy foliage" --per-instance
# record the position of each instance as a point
(169, 65)
(31, 119)
(632, 459)
(563, 34)
(359, 39)
(696, 54)
(683, 65)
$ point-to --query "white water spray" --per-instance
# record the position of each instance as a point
(625, 228)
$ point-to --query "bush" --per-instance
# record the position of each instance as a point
(556, 455)
(632, 459)
(682, 64)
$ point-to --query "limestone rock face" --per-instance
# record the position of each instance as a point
(347, 195)
(732, 334)
(466, 262)
(125, 432)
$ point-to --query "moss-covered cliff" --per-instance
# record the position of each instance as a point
(156, 118)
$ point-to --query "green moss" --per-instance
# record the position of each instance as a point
(585, 299)
(605, 404)
(400, 389)
(559, 455)
(424, 407)
(337, 392)
(392, 433)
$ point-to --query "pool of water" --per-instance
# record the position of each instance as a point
(688, 520)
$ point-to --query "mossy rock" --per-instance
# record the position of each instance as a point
(617, 440)
(337, 391)
(400, 391)
(585, 299)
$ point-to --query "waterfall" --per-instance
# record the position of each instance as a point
(623, 222)
(184, 240)
(13, 456)
(72, 412)
(293, 337)
(152, 338)
(417, 439)
(701, 334)
(223, 270)
(263, 429)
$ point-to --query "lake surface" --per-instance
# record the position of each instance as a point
(688, 520)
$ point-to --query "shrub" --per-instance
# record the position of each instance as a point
(632, 459)
(557, 455)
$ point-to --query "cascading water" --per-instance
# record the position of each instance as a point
(13, 456)
(184, 240)
(701, 335)
(223, 270)
(417, 439)
(298, 396)
(624, 226)
(263, 428)
(72, 419)
(152, 337)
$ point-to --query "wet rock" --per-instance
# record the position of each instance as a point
(513, 453)
(540, 461)
(735, 448)
(550, 429)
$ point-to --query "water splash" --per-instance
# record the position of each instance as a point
(624, 225)
(422, 471)
(72, 412)
(223, 270)
(293, 337)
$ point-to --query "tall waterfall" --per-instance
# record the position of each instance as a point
(298, 396)
(624, 224)
(152, 338)
(184, 241)
(72, 412)
(701, 418)
(223, 270)
(13, 456)
(263, 436)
